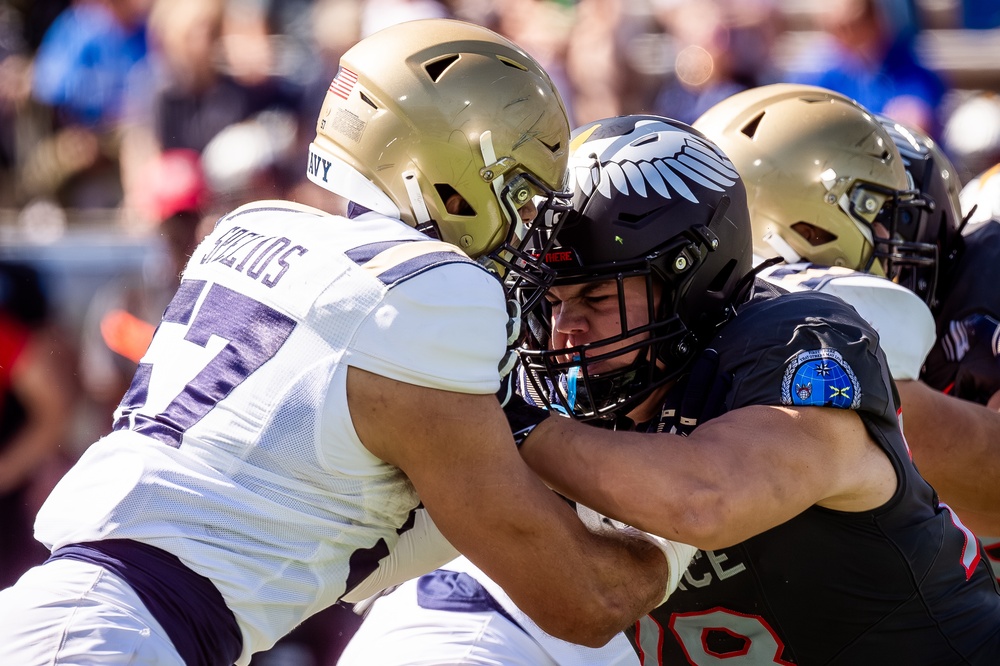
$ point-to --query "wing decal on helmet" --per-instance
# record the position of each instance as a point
(653, 178)
(672, 178)
(615, 177)
(624, 165)
(636, 177)
(711, 159)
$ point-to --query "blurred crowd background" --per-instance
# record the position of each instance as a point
(127, 127)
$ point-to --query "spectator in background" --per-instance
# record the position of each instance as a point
(875, 63)
(85, 58)
(542, 28)
(972, 133)
(80, 74)
(595, 61)
(123, 315)
(378, 14)
(335, 27)
(15, 91)
(198, 80)
(720, 48)
(251, 160)
(35, 402)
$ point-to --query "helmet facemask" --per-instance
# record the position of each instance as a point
(654, 204)
(905, 259)
(518, 260)
(932, 232)
(570, 379)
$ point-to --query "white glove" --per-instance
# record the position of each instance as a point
(679, 555)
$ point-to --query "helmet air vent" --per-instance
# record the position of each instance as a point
(814, 99)
(512, 63)
(437, 68)
(461, 205)
(813, 234)
(637, 221)
(750, 129)
(367, 100)
(553, 148)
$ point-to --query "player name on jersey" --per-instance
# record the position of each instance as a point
(256, 254)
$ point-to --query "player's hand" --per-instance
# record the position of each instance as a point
(679, 555)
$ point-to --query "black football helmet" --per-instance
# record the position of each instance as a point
(653, 198)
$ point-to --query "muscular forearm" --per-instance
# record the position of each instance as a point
(626, 477)
(956, 446)
(609, 580)
(735, 476)
(495, 511)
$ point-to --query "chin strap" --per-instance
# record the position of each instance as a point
(781, 246)
(417, 204)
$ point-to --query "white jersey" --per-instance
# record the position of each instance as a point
(234, 447)
(902, 320)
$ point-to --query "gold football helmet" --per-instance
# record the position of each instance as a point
(425, 110)
(825, 183)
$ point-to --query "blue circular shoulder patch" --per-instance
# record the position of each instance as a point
(820, 378)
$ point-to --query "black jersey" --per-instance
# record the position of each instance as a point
(901, 584)
(963, 361)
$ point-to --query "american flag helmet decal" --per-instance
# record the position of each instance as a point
(343, 83)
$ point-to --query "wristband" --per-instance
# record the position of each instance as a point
(679, 556)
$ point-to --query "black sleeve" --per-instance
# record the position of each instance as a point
(805, 349)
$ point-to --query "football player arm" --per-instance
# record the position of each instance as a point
(458, 452)
(956, 446)
(732, 478)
